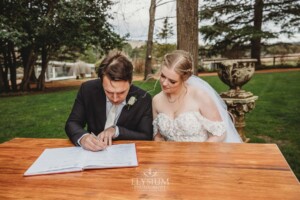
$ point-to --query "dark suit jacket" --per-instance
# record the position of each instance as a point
(134, 123)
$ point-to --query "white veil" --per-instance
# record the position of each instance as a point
(232, 135)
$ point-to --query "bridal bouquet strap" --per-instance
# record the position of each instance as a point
(131, 101)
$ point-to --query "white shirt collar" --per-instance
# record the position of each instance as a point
(122, 103)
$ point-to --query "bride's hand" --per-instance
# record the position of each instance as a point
(159, 137)
(216, 138)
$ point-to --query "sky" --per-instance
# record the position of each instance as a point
(132, 16)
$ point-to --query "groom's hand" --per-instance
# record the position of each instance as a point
(92, 143)
(107, 135)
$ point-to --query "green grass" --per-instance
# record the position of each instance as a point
(39, 115)
(274, 120)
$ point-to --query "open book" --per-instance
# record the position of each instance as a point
(71, 159)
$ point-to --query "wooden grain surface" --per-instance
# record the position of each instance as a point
(167, 170)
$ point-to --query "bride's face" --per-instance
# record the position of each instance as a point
(170, 81)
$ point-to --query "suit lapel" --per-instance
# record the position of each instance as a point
(125, 111)
(101, 107)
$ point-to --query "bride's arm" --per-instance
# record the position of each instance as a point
(209, 110)
(156, 135)
(214, 138)
(159, 137)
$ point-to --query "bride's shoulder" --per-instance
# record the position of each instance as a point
(157, 101)
(157, 97)
(198, 93)
(195, 91)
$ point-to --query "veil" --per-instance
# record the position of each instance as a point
(232, 135)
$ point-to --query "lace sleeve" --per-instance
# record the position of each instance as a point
(215, 128)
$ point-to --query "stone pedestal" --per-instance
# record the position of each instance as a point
(238, 107)
(235, 74)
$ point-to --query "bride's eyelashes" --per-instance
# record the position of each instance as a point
(163, 78)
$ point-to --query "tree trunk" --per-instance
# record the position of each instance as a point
(29, 59)
(148, 59)
(187, 28)
(5, 70)
(5, 79)
(12, 66)
(2, 88)
(41, 79)
(256, 39)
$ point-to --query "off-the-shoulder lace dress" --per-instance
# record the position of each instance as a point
(187, 127)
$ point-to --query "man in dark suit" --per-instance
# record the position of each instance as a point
(111, 107)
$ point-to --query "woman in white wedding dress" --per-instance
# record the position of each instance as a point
(188, 108)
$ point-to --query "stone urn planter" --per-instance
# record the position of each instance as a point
(236, 73)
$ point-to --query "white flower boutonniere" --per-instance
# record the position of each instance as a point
(131, 101)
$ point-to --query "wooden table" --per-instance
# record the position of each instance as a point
(167, 170)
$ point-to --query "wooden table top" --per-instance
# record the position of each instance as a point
(167, 170)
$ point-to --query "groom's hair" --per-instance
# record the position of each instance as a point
(117, 67)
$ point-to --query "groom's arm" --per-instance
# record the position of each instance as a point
(77, 119)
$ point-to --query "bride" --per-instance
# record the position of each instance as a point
(188, 108)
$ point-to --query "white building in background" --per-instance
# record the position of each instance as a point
(136, 43)
(57, 70)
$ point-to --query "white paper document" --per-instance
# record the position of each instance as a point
(71, 159)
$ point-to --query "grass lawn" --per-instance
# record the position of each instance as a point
(274, 120)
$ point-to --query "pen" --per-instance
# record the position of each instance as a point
(93, 134)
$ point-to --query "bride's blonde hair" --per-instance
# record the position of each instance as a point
(181, 61)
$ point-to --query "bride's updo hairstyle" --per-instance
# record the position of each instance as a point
(181, 61)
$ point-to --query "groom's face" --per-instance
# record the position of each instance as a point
(116, 91)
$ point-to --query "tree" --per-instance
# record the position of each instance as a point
(10, 37)
(243, 25)
(187, 28)
(164, 33)
(257, 28)
(78, 24)
(45, 27)
(148, 59)
(161, 49)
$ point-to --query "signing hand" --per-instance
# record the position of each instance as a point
(107, 135)
(92, 143)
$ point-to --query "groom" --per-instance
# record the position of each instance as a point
(111, 107)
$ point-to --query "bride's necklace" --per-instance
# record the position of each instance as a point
(178, 97)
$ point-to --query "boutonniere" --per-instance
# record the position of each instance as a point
(131, 101)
